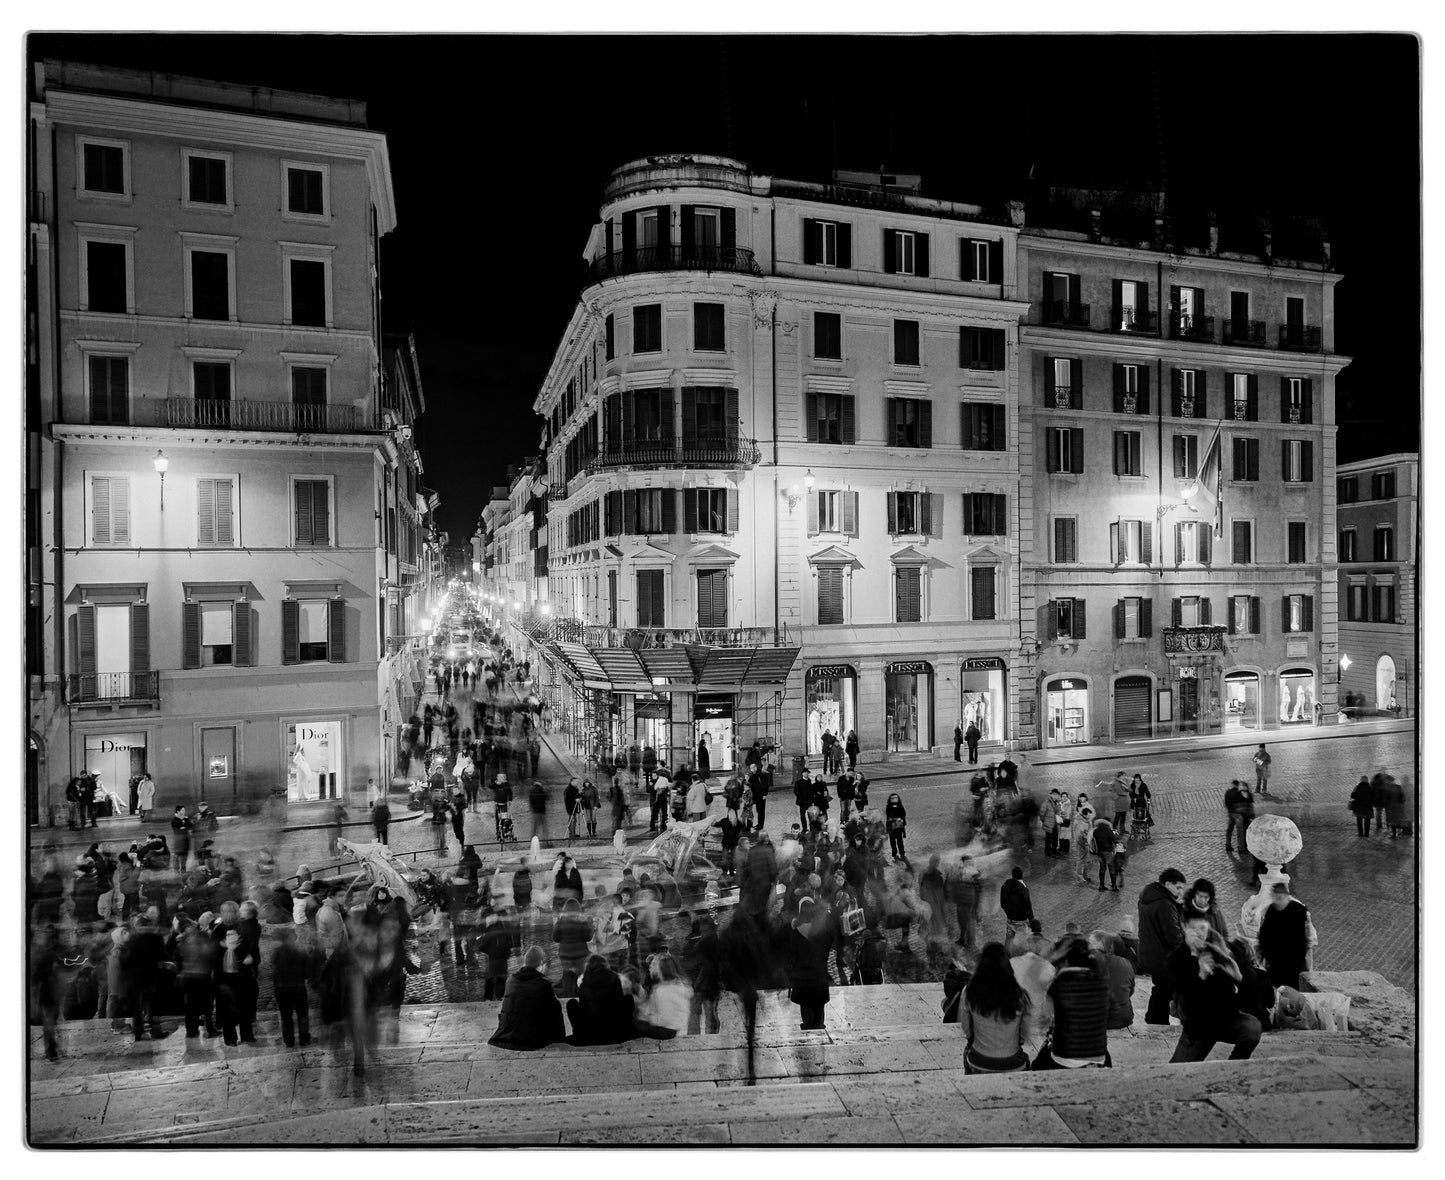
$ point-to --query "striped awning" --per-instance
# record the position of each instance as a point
(622, 667)
(582, 665)
(740, 667)
(667, 663)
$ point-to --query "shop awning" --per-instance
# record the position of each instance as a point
(667, 663)
(582, 665)
(739, 667)
(663, 669)
(622, 667)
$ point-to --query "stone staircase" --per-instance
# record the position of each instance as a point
(885, 1071)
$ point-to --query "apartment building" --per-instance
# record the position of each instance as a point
(782, 477)
(223, 492)
(1160, 379)
(1378, 518)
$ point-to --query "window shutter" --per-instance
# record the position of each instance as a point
(1284, 399)
(847, 419)
(963, 351)
(629, 239)
(242, 638)
(730, 416)
(1231, 613)
(302, 492)
(1146, 542)
(729, 229)
(190, 635)
(1205, 612)
(890, 252)
(810, 240)
(925, 423)
(1176, 612)
(1119, 619)
(1114, 543)
(629, 512)
(85, 639)
(1179, 557)
(1201, 393)
(1308, 460)
(1252, 447)
(1284, 458)
(120, 511)
(892, 513)
(1205, 533)
(664, 228)
(969, 513)
(850, 513)
(891, 406)
(1047, 384)
(665, 400)
(1253, 397)
(1118, 389)
(1146, 617)
(336, 631)
(995, 265)
(830, 594)
(689, 510)
(813, 513)
(1254, 615)
(1049, 622)
(100, 509)
(1000, 442)
(1309, 613)
(1143, 390)
(920, 255)
(1076, 447)
(669, 510)
(925, 514)
(140, 637)
(1176, 390)
(1181, 455)
(1121, 453)
(965, 260)
(812, 417)
(689, 410)
(732, 517)
(845, 246)
(1118, 312)
(1079, 629)
(225, 532)
(1284, 614)
(1053, 457)
(656, 597)
(291, 626)
(205, 511)
(1306, 409)
(1000, 514)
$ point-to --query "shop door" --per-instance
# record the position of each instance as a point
(1188, 706)
(218, 765)
(1131, 709)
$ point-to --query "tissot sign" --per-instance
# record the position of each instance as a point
(975, 663)
(903, 667)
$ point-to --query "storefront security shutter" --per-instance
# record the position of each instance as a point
(1131, 708)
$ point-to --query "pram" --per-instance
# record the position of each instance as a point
(505, 833)
(1141, 822)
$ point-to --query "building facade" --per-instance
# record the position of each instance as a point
(1158, 378)
(779, 427)
(1378, 518)
(224, 509)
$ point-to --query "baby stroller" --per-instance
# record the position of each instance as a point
(505, 833)
(1141, 822)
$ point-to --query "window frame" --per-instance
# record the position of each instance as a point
(1234, 523)
(992, 569)
(980, 250)
(922, 573)
(841, 571)
(917, 361)
(119, 235)
(289, 214)
(108, 353)
(830, 510)
(818, 354)
(188, 202)
(1073, 523)
(826, 243)
(1348, 545)
(1292, 529)
(90, 539)
(215, 604)
(234, 479)
(1384, 552)
(307, 252)
(89, 194)
(697, 326)
(898, 243)
(916, 512)
(637, 310)
(330, 480)
(223, 244)
(1294, 461)
(226, 362)
(1133, 464)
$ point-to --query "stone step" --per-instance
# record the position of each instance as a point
(1302, 1097)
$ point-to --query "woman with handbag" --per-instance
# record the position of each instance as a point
(991, 1014)
(895, 818)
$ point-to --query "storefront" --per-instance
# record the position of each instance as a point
(115, 759)
(1241, 700)
(1192, 700)
(1133, 708)
(652, 726)
(314, 752)
(908, 705)
(1066, 705)
(1297, 696)
(832, 701)
(983, 697)
(712, 714)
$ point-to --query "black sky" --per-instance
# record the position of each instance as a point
(500, 146)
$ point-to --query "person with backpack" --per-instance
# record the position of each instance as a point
(1104, 843)
(872, 955)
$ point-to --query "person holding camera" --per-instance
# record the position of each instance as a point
(1206, 980)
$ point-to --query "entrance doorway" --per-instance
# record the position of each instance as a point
(714, 718)
(1241, 700)
(1296, 696)
(832, 691)
(908, 702)
(1385, 683)
(1066, 704)
(1132, 712)
(115, 759)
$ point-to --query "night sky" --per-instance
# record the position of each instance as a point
(500, 146)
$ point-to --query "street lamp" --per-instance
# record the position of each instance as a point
(1186, 493)
(161, 463)
(809, 479)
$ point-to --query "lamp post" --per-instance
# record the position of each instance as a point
(161, 463)
(1186, 494)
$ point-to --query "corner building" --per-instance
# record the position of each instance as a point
(226, 488)
(782, 477)
(1139, 621)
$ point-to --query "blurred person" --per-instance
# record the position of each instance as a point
(1079, 833)
(1034, 969)
(567, 884)
(809, 941)
(1160, 931)
(1065, 810)
(1103, 842)
(933, 890)
(1362, 805)
(290, 972)
(1049, 816)
(1262, 761)
(966, 892)
(380, 819)
(142, 958)
(531, 1017)
(235, 980)
(537, 804)
(602, 1013)
(1287, 938)
(1118, 975)
(496, 943)
(1206, 979)
(1017, 905)
(700, 958)
(1397, 813)
(731, 830)
(895, 818)
(47, 987)
(991, 1016)
(1127, 940)
(590, 802)
(572, 933)
(180, 839)
(669, 1000)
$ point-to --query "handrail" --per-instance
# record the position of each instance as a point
(652, 258)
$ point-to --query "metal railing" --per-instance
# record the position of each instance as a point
(1066, 313)
(1250, 332)
(1300, 338)
(653, 638)
(103, 688)
(213, 413)
(1179, 640)
(1131, 319)
(651, 258)
(1063, 397)
(1191, 327)
(702, 450)
(557, 491)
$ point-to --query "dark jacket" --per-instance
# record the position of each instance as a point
(1362, 798)
(1160, 929)
(572, 934)
(1081, 1013)
(1119, 976)
(496, 942)
(531, 1017)
(808, 960)
(1209, 1005)
(603, 1015)
(1013, 898)
(700, 960)
(1284, 942)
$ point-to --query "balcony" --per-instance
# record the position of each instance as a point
(1300, 338)
(113, 688)
(1063, 397)
(1065, 313)
(1196, 328)
(656, 638)
(557, 491)
(654, 258)
(218, 413)
(698, 450)
(1247, 332)
(1189, 640)
(1137, 320)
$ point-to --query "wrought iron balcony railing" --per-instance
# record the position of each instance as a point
(557, 491)
(1250, 332)
(220, 413)
(1199, 328)
(1131, 319)
(652, 638)
(113, 688)
(1300, 338)
(652, 258)
(1193, 639)
(1065, 313)
(700, 450)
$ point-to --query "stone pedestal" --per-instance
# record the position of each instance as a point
(1276, 841)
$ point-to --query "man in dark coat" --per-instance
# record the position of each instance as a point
(1363, 806)
(760, 875)
(972, 735)
(531, 1017)
(1284, 938)
(380, 819)
(761, 782)
(1206, 980)
(1017, 906)
(1160, 932)
(1379, 796)
(602, 1012)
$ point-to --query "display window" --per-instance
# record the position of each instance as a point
(314, 759)
(713, 716)
(908, 705)
(1296, 696)
(1066, 703)
(1241, 700)
(832, 699)
(983, 698)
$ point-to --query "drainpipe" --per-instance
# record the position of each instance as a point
(773, 398)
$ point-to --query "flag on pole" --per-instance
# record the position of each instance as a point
(1209, 499)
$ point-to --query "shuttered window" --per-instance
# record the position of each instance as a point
(109, 510)
(905, 252)
(980, 261)
(908, 583)
(215, 509)
(647, 328)
(1066, 540)
(833, 512)
(912, 513)
(983, 427)
(981, 348)
(828, 335)
(313, 630)
(982, 583)
(1186, 456)
(1297, 613)
(105, 276)
(1244, 615)
(651, 610)
(1065, 450)
(905, 342)
(827, 243)
(910, 422)
(103, 168)
(308, 292)
(1128, 453)
(712, 603)
(1065, 619)
(1188, 394)
(1297, 460)
(985, 514)
(1242, 535)
(1131, 389)
(1296, 551)
(210, 285)
(109, 389)
(830, 418)
(312, 499)
(1246, 459)
(708, 327)
(830, 594)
